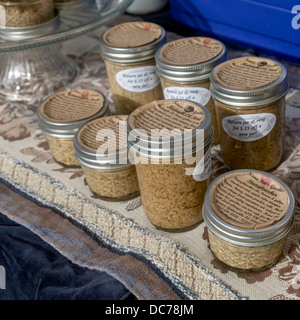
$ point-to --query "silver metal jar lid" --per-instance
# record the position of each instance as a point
(90, 157)
(188, 72)
(132, 54)
(67, 129)
(243, 236)
(263, 94)
(183, 144)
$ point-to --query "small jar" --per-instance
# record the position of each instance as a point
(184, 68)
(129, 50)
(62, 114)
(249, 95)
(249, 214)
(101, 148)
(169, 143)
(25, 13)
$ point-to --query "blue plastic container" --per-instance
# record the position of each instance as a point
(270, 26)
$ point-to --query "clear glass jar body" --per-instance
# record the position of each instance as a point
(117, 184)
(245, 258)
(62, 150)
(165, 83)
(125, 100)
(26, 13)
(172, 200)
(262, 154)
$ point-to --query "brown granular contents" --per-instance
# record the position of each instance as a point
(172, 200)
(126, 101)
(116, 184)
(62, 150)
(245, 258)
(263, 154)
(28, 13)
(210, 106)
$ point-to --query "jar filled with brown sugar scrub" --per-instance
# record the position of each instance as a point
(129, 50)
(62, 114)
(249, 95)
(101, 148)
(184, 67)
(249, 214)
(169, 143)
(25, 13)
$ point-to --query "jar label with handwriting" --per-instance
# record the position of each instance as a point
(249, 199)
(195, 94)
(138, 79)
(203, 169)
(2, 17)
(249, 127)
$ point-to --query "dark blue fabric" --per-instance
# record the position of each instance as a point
(36, 271)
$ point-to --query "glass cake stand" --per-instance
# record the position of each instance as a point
(31, 65)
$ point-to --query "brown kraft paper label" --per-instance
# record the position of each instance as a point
(249, 200)
(247, 73)
(167, 114)
(191, 51)
(72, 105)
(132, 34)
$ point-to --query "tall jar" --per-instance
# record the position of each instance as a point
(249, 95)
(25, 13)
(184, 67)
(249, 214)
(169, 143)
(63, 113)
(128, 50)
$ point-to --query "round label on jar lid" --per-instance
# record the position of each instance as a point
(174, 116)
(249, 200)
(110, 131)
(190, 51)
(132, 34)
(247, 73)
(72, 105)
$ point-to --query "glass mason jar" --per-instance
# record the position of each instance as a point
(249, 214)
(184, 68)
(62, 114)
(128, 50)
(25, 13)
(108, 172)
(249, 95)
(169, 142)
